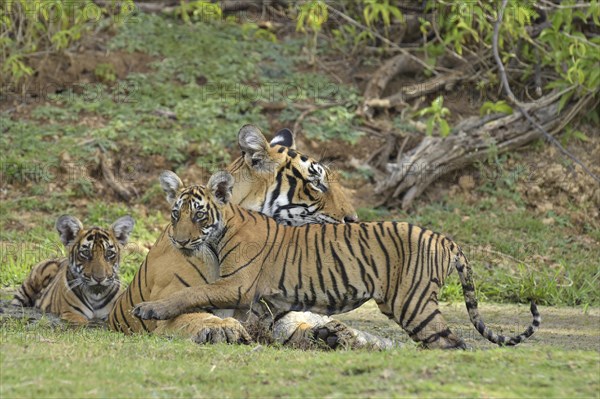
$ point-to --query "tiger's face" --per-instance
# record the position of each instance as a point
(195, 216)
(94, 253)
(294, 189)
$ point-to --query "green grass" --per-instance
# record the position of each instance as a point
(42, 362)
(514, 255)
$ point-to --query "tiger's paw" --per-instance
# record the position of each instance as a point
(338, 335)
(156, 310)
(227, 330)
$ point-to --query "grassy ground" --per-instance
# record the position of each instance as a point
(39, 361)
(211, 79)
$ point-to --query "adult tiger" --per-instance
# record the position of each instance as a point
(326, 269)
(84, 285)
(272, 178)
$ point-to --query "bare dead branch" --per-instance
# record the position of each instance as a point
(126, 193)
(435, 157)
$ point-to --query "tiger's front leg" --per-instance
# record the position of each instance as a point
(75, 318)
(223, 294)
(204, 328)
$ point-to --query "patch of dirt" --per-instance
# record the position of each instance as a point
(554, 189)
(89, 64)
(565, 328)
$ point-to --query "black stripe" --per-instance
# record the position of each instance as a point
(74, 306)
(222, 259)
(387, 261)
(109, 297)
(424, 323)
(339, 265)
(181, 280)
(319, 265)
(276, 191)
(258, 253)
(124, 319)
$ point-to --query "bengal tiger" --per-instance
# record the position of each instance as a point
(83, 286)
(328, 269)
(271, 178)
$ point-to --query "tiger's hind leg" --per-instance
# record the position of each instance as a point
(38, 279)
(425, 325)
(306, 330)
(204, 328)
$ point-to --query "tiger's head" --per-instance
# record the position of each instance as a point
(94, 253)
(195, 216)
(294, 189)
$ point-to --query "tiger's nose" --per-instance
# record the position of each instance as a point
(351, 218)
(99, 279)
(182, 243)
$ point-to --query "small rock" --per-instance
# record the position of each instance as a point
(466, 182)
(548, 221)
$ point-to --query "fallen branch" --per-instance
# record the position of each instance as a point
(126, 193)
(434, 157)
(381, 78)
(406, 93)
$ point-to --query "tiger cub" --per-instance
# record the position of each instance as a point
(83, 286)
(329, 269)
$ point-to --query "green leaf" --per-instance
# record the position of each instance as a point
(578, 134)
(444, 128)
(564, 100)
(429, 124)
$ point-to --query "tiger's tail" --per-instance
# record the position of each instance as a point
(466, 280)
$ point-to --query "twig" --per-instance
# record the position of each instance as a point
(512, 98)
(307, 112)
(126, 193)
(383, 39)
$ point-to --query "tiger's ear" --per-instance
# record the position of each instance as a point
(68, 227)
(220, 186)
(122, 228)
(254, 146)
(170, 183)
(284, 137)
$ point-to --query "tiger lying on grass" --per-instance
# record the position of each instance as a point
(274, 269)
(275, 179)
(83, 286)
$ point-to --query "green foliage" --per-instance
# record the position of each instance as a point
(490, 107)
(573, 56)
(313, 14)
(199, 11)
(380, 10)
(436, 113)
(30, 28)
(105, 72)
